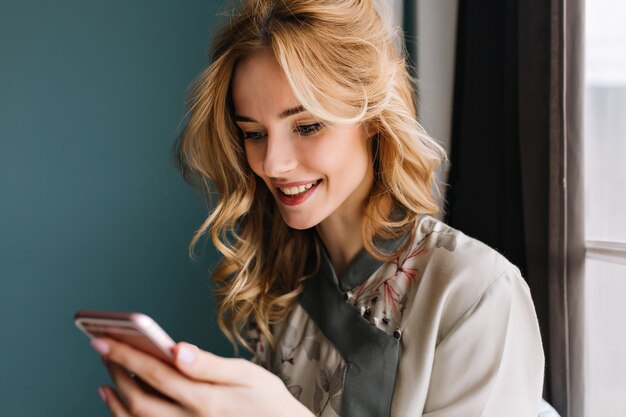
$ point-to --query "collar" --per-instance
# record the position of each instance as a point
(361, 267)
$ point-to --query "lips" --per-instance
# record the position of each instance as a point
(292, 194)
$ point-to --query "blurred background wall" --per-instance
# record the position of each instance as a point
(93, 214)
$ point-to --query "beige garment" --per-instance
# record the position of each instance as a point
(469, 338)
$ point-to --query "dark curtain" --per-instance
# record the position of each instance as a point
(510, 144)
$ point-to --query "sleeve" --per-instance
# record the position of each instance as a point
(491, 362)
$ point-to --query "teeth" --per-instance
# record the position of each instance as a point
(297, 190)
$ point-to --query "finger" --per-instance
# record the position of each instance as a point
(129, 383)
(137, 401)
(114, 403)
(205, 366)
(140, 382)
(161, 376)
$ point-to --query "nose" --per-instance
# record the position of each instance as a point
(280, 156)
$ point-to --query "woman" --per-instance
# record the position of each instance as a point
(334, 273)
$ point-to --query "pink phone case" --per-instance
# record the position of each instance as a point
(135, 329)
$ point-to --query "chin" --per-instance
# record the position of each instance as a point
(300, 223)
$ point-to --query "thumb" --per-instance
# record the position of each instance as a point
(205, 366)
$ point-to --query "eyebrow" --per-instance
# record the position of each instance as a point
(282, 115)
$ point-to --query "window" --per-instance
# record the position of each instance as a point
(605, 207)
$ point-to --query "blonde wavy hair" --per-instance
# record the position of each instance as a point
(340, 61)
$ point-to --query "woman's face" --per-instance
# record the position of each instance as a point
(312, 170)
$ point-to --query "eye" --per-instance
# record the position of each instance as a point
(309, 129)
(253, 135)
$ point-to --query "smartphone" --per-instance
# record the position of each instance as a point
(135, 329)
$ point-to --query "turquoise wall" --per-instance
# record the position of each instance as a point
(93, 214)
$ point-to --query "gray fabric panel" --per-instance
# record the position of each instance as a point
(371, 355)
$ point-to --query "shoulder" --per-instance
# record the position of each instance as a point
(456, 272)
(470, 306)
(459, 261)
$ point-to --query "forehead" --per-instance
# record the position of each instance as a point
(259, 87)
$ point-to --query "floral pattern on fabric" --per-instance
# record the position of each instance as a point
(382, 298)
(328, 387)
(258, 343)
(309, 366)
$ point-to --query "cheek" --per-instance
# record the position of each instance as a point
(343, 159)
(254, 155)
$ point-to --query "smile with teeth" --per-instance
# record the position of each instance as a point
(293, 191)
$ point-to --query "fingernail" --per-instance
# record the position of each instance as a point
(103, 394)
(185, 354)
(100, 346)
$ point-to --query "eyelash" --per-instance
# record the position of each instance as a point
(315, 127)
(310, 130)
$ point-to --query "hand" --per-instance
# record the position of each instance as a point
(198, 384)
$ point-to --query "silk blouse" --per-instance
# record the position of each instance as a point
(446, 329)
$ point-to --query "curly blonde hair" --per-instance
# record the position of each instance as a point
(339, 59)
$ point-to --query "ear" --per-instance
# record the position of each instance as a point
(370, 130)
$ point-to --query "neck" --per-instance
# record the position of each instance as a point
(341, 231)
(342, 239)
